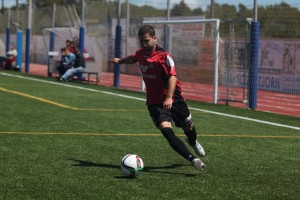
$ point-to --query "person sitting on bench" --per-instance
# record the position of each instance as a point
(10, 60)
(79, 67)
(63, 66)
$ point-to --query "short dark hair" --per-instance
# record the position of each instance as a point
(146, 29)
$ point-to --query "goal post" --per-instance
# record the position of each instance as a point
(216, 37)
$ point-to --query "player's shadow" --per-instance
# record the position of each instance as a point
(148, 169)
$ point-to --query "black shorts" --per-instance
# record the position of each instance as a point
(179, 114)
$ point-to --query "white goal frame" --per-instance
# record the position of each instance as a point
(216, 47)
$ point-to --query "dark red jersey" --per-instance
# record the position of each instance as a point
(156, 70)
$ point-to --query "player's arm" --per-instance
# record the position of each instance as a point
(126, 60)
(171, 89)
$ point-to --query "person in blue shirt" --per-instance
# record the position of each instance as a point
(63, 67)
(77, 67)
(70, 59)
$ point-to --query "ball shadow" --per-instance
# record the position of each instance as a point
(148, 169)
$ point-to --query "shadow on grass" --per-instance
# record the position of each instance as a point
(148, 169)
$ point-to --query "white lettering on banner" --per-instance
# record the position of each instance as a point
(270, 54)
(272, 82)
(291, 84)
(279, 67)
(281, 55)
(269, 82)
(292, 80)
(284, 56)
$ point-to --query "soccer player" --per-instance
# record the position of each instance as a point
(164, 97)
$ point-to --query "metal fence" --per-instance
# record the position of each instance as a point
(279, 54)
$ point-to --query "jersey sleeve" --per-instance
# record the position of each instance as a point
(134, 57)
(168, 64)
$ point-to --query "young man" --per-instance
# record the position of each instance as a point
(164, 99)
(69, 61)
(78, 66)
(63, 67)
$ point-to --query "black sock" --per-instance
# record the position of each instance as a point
(191, 135)
(177, 144)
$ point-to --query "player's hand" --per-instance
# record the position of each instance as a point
(168, 103)
(115, 60)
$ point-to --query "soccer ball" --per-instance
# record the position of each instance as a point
(131, 165)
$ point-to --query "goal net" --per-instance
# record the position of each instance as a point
(211, 68)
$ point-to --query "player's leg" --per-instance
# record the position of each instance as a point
(60, 70)
(162, 119)
(181, 149)
(174, 141)
(67, 74)
(191, 137)
(78, 72)
(183, 118)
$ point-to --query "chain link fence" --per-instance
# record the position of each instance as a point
(279, 55)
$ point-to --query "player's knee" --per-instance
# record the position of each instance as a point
(165, 125)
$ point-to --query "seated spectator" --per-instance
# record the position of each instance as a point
(10, 60)
(67, 62)
(79, 66)
(70, 45)
(63, 67)
(70, 57)
(76, 44)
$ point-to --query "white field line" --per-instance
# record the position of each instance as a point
(141, 99)
(72, 86)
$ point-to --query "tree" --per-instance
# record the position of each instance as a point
(44, 3)
(181, 9)
(243, 12)
(198, 11)
(280, 21)
(225, 11)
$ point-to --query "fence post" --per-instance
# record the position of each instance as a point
(117, 55)
(19, 40)
(28, 30)
(27, 52)
(51, 49)
(253, 78)
(118, 47)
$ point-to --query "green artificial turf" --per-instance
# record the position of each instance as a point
(59, 142)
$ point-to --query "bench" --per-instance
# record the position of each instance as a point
(89, 74)
(53, 70)
(52, 67)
